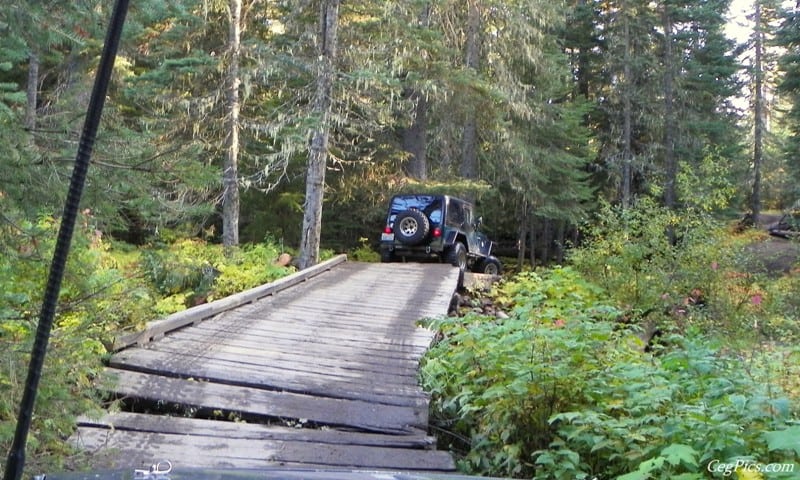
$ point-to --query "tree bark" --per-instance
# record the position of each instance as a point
(532, 235)
(522, 234)
(230, 172)
(415, 138)
(32, 92)
(583, 75)
(547, 240)
(670, 162)
(318, 151)
(759, 111)
(469, 141)
(627, 113)
(560, 241)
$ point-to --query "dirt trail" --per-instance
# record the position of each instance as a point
(774, 255)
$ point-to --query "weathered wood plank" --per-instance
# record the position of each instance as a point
(141, 422)
(416, 337)
(251, 401)
(339, 349)
(288, 345)
(233, 373)
(134, 449)
(288, 330)
(193, 315)
(322, 362)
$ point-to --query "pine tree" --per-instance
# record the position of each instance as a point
(788, 37)
(762, 69)
(318, 151)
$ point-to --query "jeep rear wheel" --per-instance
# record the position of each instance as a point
(457, 256)
(411, 227)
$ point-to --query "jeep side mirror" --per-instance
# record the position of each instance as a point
(478, 222)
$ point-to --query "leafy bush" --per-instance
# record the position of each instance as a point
(190, 272)
(563, 390)
(364, 252)
(103, 292)
(698, 281)
(96, 300)
(248, 267)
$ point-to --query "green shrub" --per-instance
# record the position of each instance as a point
(103, 292)
(563, 390)
(250, 266)
(364, 252)
(699, 281)
(190, 272)
(97, 299)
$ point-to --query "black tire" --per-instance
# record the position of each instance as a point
(387, 256)
(411, 227)
(457, 256)
(490, 266)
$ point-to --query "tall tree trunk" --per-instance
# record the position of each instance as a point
(547, 240)
(469, 141)
(415, 137)
(522, 234)
(584, 73)
(318, 152)
(758, 113)
(670, 162)
(230, 172)
(32, 92)
(627, 113)
(532, 235)
(561, 233)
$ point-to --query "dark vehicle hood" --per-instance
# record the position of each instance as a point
(245, 474)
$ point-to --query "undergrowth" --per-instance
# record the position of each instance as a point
(572, 386)
(105, 291)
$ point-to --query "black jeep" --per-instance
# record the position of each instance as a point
(442, 227)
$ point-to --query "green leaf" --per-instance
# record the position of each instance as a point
(565, 416)
(788, 439)
(677, 453)
(643, 472)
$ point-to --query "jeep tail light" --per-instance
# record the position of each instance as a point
(387, 229)
(437, 232)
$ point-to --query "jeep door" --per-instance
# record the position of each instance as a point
(478, 243)
(473, 242)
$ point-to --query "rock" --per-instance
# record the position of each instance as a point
(283, 260)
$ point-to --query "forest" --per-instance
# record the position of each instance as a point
(623, 155)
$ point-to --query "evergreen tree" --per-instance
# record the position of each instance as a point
(788, 37)
(318, 151)
(230, 168)
(701, 74)
(762, 82)
(629, 99)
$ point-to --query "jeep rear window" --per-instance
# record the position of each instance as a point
(431, 205)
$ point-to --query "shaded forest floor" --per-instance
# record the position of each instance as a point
(773, 255)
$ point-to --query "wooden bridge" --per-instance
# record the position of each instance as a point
(315, 371)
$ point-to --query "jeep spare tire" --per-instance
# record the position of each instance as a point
(411, 227)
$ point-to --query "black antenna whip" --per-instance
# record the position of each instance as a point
(16, 457)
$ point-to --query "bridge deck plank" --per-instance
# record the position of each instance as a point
(254, 353)
(250, 402)
(339, 351)
(200, 451)
(140, 422)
